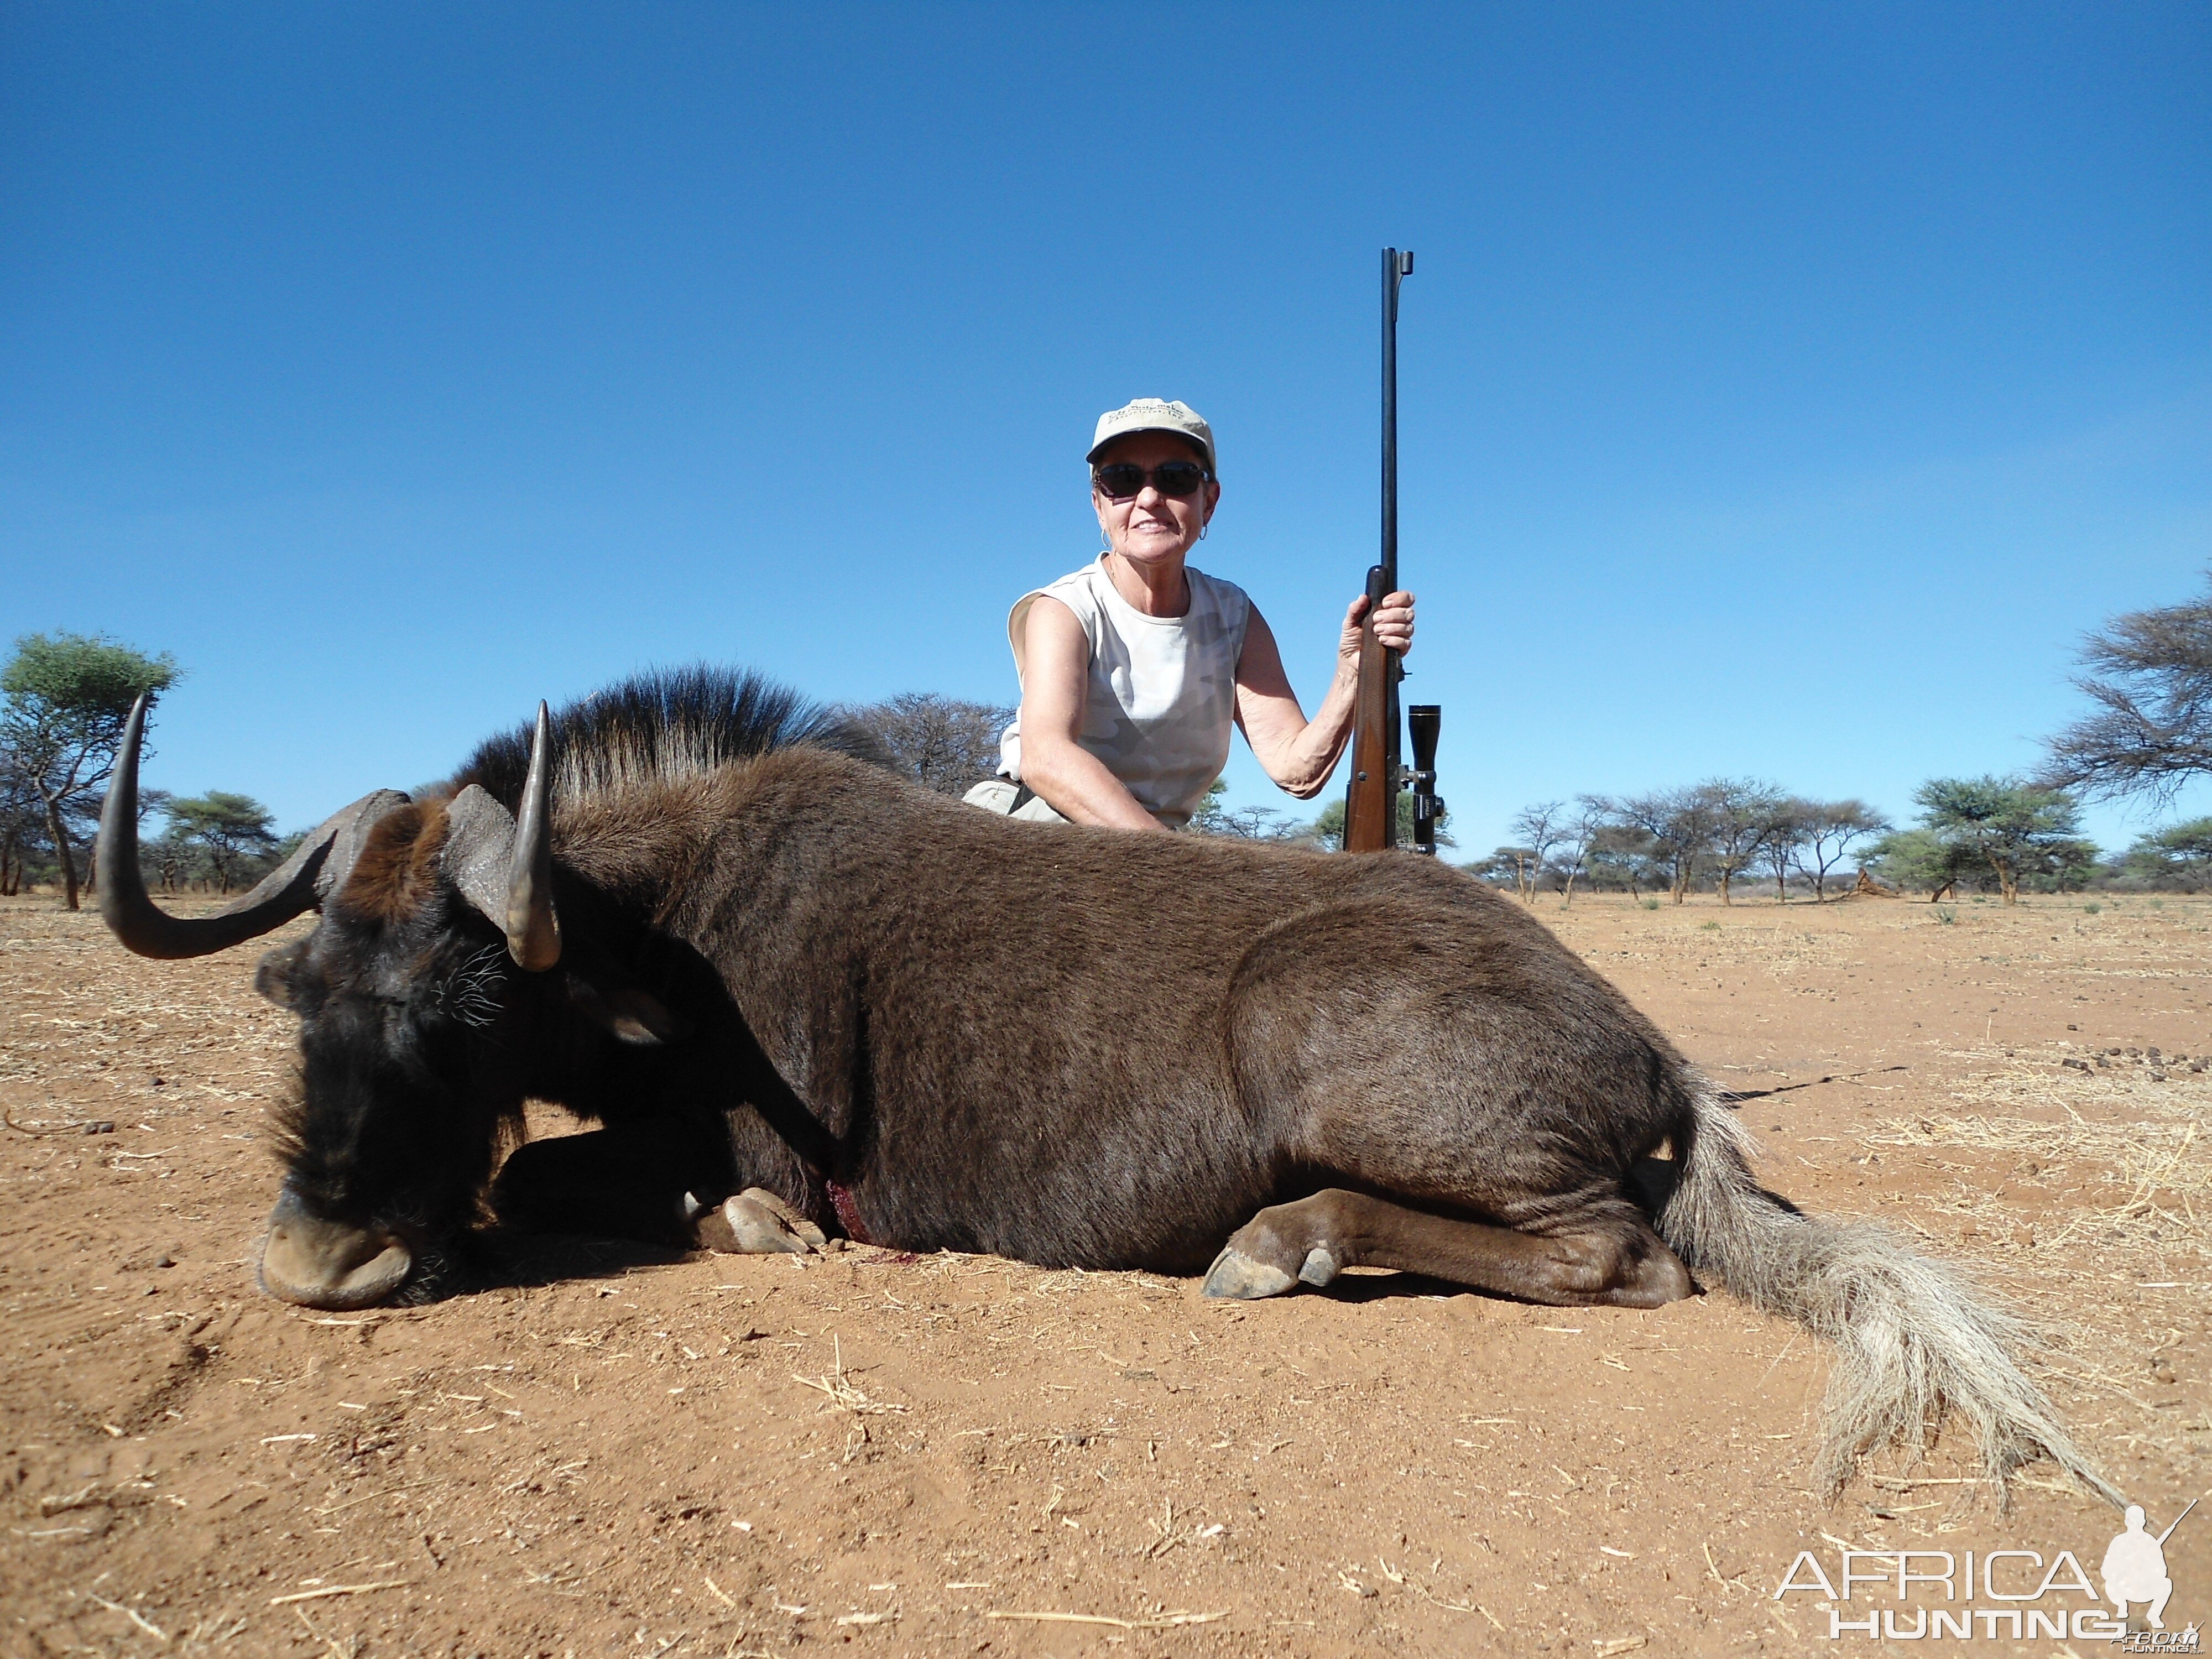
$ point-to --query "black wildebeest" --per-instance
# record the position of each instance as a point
(692, 910)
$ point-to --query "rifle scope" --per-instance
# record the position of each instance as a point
(1424, 720)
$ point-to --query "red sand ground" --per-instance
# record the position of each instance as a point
(630, 1453)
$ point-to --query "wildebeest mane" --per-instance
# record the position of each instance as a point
(666, 724)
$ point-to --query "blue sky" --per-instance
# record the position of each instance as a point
(1786, 388)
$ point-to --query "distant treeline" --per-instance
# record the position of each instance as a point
(63, 700)
(2000, 835)
(1987, 835)
(950, 746)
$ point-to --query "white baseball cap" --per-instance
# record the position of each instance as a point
(1154, 415)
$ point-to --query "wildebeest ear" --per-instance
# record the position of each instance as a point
(479, 848)
(632, 1015)
(273, 977)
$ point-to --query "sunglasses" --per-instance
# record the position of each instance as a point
(1123, 479)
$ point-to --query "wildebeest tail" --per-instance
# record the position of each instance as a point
(1914, 1343)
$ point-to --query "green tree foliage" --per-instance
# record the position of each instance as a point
(1919, 861)
(2150, 676)
(1622, 855)
(1677, 825)
(1742, 816)
(67, 697)
(1500, 868)
(1988, 827)
(232, 833)
(1326, 831)
(2071, 866)
(2181, 856)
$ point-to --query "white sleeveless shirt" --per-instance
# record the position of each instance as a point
(1162, 699)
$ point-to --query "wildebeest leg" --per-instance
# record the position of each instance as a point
(1612, 1258)
(756, 1222)
(626, 1182)
(637, 1182)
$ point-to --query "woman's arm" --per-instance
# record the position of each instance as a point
(1055, 686)
(1299, 754)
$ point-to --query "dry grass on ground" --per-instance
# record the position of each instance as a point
(625, 1452)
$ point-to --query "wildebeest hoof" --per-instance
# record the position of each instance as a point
(756, 1222)
(1235, 1274)
(1320, 1268)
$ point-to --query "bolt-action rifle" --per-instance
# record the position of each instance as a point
(1370, 807)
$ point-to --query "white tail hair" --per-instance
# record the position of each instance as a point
(1913, 1340)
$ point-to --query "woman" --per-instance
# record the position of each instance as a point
(1133, 668)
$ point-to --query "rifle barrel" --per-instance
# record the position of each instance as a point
(2178, 1520)
(1395, 266)
(1370, 821)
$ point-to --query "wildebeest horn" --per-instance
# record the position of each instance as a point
(302, 882)
(533, 932)
(505, 868)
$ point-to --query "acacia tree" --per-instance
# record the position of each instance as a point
(2150, 676)
(2181, 854)
(1742, 814)
(1921, 859)
(941, 743)
(1578, 832)
(68, 696)
(1501, 868)
(1679, 823)
(22, 822)
(1785, 834)
(1625, 853)
(1538, 828)
(171, 858)
(1827, 829)
(1212, 817)
(230, 830)
(1264, 824)
(2014, 828)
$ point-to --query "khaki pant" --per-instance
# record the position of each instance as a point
(998, 795)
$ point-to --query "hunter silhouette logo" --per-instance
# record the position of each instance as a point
(2134, 1567)
(2024, 1595)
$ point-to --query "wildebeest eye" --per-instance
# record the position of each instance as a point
(275, 977)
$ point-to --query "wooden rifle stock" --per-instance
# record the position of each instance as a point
(1370, 809)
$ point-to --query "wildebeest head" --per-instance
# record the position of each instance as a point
(423, 998)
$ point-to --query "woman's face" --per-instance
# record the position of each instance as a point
(1149, 528)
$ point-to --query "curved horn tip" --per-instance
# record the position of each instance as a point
(143, 926)
(115, 852)
(533, 927)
